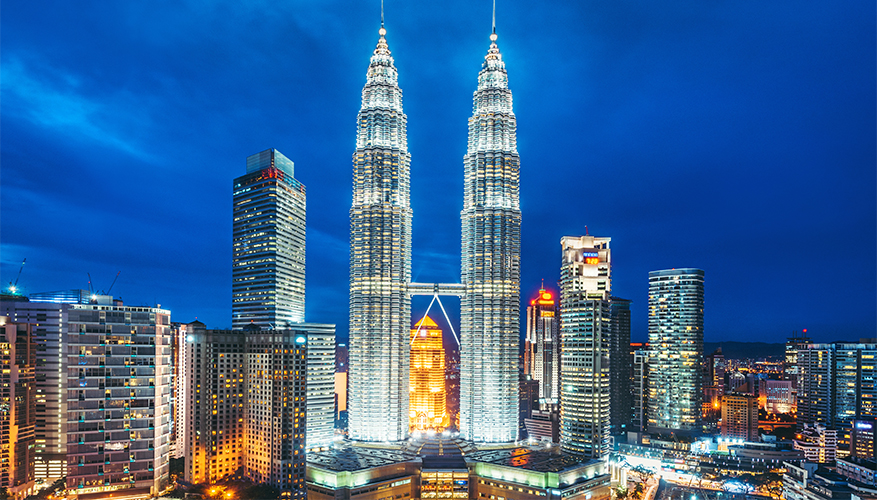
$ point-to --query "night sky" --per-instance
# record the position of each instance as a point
(737, 137)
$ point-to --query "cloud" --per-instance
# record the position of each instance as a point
(53, 99)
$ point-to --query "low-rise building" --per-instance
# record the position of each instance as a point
(808, 481)
(818, 443)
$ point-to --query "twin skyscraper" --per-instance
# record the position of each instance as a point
(380, 260)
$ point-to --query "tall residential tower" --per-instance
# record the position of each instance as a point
(380, 258)
(542, 346)
(676, 340)
(491, 256)
(268, 249)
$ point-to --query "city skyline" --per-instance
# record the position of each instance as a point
(103, 115)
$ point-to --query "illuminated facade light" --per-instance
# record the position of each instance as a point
(542, 346)
(676, 340)
(268, 249)
(490, 268)
(585, 285)
(427, 406)
(380, 259)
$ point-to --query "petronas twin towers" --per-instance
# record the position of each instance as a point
(380, 260)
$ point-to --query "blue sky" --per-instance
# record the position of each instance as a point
(737, 137)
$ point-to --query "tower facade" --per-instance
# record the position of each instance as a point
(676, 340)
(585, 285)
(380, 258)
(542, 346)
(490, 267)
(427, 386)
(268, 249)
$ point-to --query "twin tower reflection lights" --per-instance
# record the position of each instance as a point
(380, 260)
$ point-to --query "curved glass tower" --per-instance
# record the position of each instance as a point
(380, 259)
(490, 268)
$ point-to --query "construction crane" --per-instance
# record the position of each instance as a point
(13, 285)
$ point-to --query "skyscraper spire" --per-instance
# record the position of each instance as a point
(493, 30)
(380, 258)
(490, 267)
(382, 15)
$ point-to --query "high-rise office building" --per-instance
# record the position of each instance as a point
(491, 255)
(49, 321)
(777, 396)
(585, 285)
(18, 359)
(320, 385)
(118, 399)
(427, 408)
(619, 369)
(380, 258)
(676, 340)
(542, 346)
(268, 249)
(740, 416)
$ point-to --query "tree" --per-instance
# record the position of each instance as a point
(643, 473)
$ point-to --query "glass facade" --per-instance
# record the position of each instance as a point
(676, 358)
(380, 259)
(585, 285)
(490, 267)
(268, 249)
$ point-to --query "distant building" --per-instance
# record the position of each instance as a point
(676, 357)
(18, 390)
(49, 321)
(740, 416)
(619, 370)
(835, 386)
(778, 396)
(426, 401)
(862, 471)
(544, 425)
(862, 439)
(528, 403)
(268, 249)
(818, 443)
(640, 389)
(542, 346)
(585, 287)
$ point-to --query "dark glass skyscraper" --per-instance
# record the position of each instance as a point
(268, 249)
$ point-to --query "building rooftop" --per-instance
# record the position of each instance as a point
(352, 458)
(526, 458)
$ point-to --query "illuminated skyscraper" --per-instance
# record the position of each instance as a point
(380, 258)
(427, 408)
(585, 275)
(676, 358)
(491, 255)
(268, 249)
(542, 346)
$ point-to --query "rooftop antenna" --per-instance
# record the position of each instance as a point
(382, 13)
(494, 16)
(586, 231)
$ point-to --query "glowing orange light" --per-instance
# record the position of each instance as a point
(592, 260)
(546, 296)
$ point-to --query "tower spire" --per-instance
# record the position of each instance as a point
(493, 28)
(382, 13)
